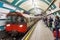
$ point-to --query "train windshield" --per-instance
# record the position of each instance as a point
(21, 19)
(16, 19)
(11, 19)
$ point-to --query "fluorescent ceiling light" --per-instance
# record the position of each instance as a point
(8, 6)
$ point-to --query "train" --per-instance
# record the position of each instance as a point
(17, 23)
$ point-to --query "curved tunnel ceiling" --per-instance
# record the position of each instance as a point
(28, 4)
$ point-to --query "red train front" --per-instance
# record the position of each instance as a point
(16, 22)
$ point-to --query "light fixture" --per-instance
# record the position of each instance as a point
(21, 26)
(8, 25)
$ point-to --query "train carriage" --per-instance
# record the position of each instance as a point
(16, 22)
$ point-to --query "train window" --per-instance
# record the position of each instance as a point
(21, 19)
(9, 19)
(14, 19)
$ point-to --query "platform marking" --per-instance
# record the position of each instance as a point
(29, 33)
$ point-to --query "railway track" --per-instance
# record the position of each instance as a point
(6, 36)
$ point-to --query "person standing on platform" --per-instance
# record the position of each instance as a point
(50, 23)
(57, 20)
(45, 20)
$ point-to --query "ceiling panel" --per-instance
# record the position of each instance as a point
(27, 5)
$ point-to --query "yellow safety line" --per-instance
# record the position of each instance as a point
(29, 33)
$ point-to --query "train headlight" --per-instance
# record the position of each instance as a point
(21, 26)
(8, 25)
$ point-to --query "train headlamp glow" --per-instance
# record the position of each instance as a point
(8, 25)
(21, 26)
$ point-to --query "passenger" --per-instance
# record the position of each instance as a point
(57, 26)
(46, 19)
(50, 23)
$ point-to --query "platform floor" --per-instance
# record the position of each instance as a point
(41, 32)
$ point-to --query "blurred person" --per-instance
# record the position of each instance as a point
(57, 20)
(50, 23)
(45, 20)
